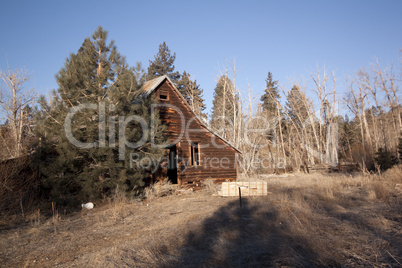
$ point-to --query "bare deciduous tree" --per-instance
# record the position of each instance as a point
(15, 99)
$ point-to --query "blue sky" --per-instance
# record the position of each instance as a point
(288, 38)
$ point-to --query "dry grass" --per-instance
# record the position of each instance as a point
(209, 186)
(339, 220)
(307, 220)
(159, 189)
(117, 202)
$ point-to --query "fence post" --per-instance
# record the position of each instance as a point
(240, 196)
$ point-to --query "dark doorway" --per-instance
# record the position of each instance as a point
(172, 164)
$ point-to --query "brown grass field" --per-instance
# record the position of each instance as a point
(317, 220)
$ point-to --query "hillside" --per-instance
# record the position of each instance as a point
(306, 220)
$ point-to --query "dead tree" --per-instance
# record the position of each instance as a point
(14, 99)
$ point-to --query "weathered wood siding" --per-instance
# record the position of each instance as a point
(217, 158)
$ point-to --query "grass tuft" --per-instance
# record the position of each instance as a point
(159, 189)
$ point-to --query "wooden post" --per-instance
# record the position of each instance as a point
(240, 196)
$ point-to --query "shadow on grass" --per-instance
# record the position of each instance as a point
(372, 223)
(244, 237)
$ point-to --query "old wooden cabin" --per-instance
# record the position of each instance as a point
(195, 152)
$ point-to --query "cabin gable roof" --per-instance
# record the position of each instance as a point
(149, 88)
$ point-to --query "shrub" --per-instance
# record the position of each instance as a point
(158, 189)
(384, 159)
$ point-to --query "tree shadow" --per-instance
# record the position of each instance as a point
(247, 236)
(383, 240)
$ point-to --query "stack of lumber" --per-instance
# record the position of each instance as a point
(252, 188)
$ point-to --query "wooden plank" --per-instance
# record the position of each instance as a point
(247, 188)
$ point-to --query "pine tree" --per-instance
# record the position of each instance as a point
(163, 64)
(89, 158)
(384, 159)
(183, 86)
(192, 93)
(296, 106)
(348, 136)
(225, 103)
(270, 97)
(139, 73)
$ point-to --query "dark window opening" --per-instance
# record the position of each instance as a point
(195, 154)
(164, 95)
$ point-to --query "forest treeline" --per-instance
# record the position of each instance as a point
(316, 122)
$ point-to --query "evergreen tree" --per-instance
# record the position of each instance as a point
(270, 97)
(86, 127)
(192, 93)
(163, 64)
(184, 85)
(139, 73)
(384, 159)
(348, 136)
(296, 106)
(225, 104)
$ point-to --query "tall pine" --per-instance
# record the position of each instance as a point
(91, 128)
(192, 93)
(163, 64)
(270, 97)
(296, 106)
(224, 106)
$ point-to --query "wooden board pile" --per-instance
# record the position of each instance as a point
(252, 188)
